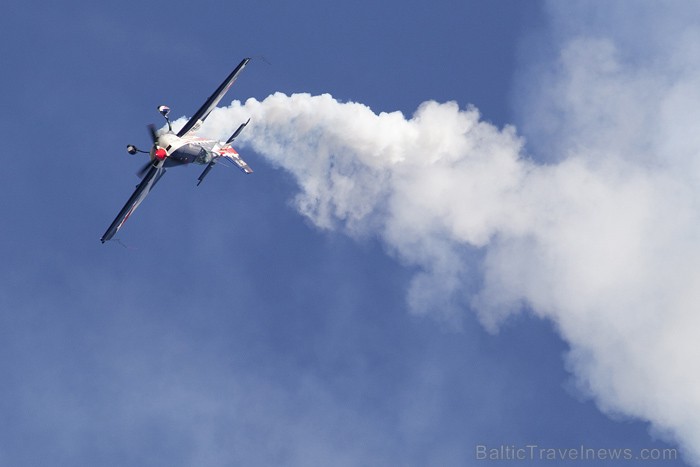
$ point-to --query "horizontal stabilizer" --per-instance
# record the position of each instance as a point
(237, 132)
(206, 171)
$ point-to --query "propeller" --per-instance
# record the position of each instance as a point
(142, 171)
(159, 152)
(153, 132)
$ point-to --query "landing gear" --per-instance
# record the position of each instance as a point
(164, 111)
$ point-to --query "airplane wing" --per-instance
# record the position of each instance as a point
(198, 118)
(142, 190)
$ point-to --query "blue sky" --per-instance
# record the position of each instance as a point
(228, 329)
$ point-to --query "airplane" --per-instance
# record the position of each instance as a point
(173, 149)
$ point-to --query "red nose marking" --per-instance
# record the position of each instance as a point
(161, 154)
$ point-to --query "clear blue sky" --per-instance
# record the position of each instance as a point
(232, 331)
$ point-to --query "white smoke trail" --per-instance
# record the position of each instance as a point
(432, 187)
(605, 242)
(605, 248)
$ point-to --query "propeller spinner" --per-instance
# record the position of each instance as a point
(157, 152)
(160, 153)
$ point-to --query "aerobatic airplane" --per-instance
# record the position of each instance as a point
(171, 149)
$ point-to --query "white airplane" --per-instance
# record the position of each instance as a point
(170, 149)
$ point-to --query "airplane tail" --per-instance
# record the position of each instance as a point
(227, 152)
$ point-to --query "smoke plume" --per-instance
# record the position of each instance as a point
(603, 239)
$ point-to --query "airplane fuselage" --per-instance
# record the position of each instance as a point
(184, 150)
